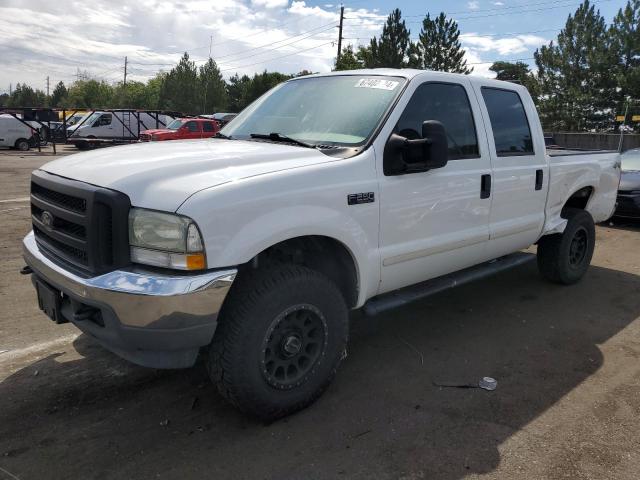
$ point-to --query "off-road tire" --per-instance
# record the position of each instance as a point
(257, 301)
(564, 258)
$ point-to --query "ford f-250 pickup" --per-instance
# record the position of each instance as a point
(331, 192)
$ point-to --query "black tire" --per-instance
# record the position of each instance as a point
(564, 258)
(22, 144)
(252, 345)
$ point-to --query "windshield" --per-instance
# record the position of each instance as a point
(175, 125)
(631, 159)
(335, 110)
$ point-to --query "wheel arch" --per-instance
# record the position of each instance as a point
(325, 254)
(578, 199)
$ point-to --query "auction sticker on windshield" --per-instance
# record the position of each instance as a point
(377, 83)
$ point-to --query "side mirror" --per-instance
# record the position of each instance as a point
(402, 155)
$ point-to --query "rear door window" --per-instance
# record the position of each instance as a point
(208, 127)
(511, 132)
(449, 104)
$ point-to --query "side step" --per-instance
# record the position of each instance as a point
(406, 295)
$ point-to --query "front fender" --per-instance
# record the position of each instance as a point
(239, 220)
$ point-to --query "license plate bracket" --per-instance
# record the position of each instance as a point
(49, 301)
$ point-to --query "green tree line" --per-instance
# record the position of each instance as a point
(185, 88)
(581, 80)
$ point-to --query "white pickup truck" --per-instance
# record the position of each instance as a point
(331, 192)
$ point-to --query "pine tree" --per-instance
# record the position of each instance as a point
(59, 95)
(348, 60)
(625, 39)
(212, 88)
(390, 50)
(576, 85)
(517, 72)
(180, 87)
(438, 47)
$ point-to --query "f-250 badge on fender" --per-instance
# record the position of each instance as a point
(357, 198)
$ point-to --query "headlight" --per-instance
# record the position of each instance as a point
(165, 240)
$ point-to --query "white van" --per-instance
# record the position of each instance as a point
(117, 124)
(14, 133)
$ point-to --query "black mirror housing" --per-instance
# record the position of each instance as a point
(438, 152)
(402, 155)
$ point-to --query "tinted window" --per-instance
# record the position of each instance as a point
(208, 127)
(192, 126)
(449, 104)
(511, 131)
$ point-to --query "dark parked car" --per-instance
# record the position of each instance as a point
(629, 191)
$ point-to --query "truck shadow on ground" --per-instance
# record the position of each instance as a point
(630, 224)
(99, 417)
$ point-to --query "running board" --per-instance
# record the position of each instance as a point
(406, 295)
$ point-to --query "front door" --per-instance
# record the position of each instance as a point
(192, 129)
(436, 222)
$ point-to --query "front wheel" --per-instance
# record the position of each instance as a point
(564, 258)
(22, 144)
(281, 336)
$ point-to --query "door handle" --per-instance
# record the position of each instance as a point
(485, 186)
(539, 179)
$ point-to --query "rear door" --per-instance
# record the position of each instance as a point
(520, 169)
(435, 222)
(209, 129)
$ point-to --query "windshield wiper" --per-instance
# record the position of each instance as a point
(222, 135)
(277, 137)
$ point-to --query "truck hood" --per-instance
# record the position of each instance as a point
(163, 175)
(630, 180)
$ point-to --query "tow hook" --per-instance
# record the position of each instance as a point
(26, 270)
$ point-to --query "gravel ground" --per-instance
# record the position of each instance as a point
(566, 360)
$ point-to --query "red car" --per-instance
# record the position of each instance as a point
(182, 129)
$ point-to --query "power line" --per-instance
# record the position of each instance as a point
(472, 16)
(483, 35)
(273, 49)
(277, 58)
(317, 30)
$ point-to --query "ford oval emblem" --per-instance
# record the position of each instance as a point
(47, 219)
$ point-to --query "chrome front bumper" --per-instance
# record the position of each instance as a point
(153, 319)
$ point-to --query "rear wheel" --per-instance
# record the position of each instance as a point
(564, 258)
(282, 334)
(22, 144)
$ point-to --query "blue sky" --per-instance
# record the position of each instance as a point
(40, 39)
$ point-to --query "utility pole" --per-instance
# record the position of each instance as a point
(125, 72)
(10, 89)
(47, 85)
(340, 33)
(206, 81)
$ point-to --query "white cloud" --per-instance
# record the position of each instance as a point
(270, 3)
(504, 46)
(473, 5)
(300, 8)
(498, 3)
(247, 35)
